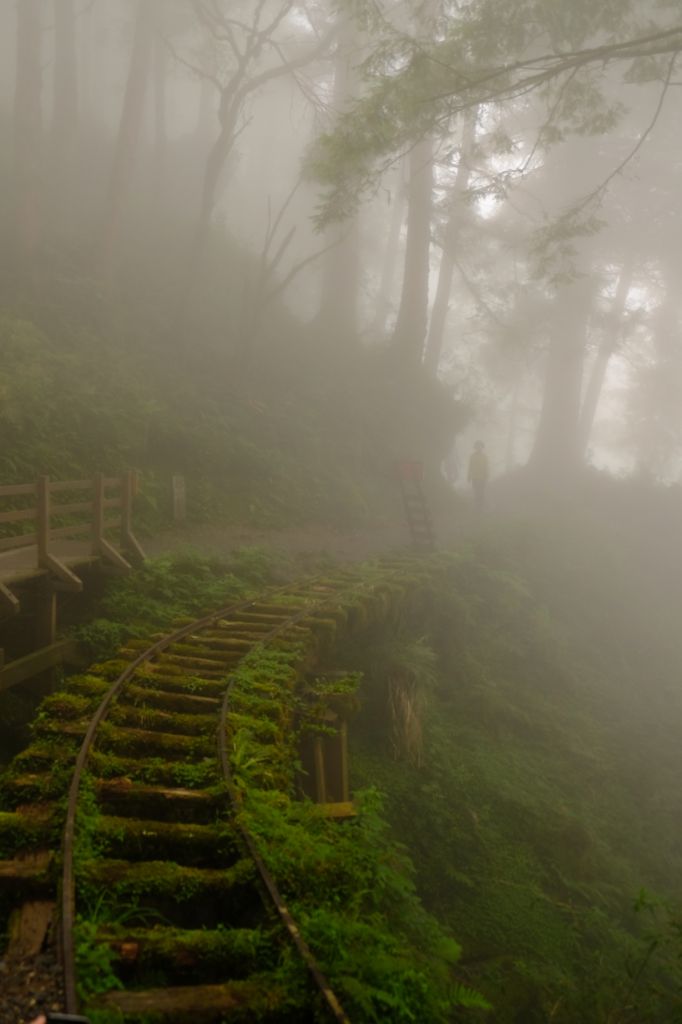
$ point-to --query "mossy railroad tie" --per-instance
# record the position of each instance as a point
(165, 891)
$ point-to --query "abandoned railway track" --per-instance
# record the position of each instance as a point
(162, 885)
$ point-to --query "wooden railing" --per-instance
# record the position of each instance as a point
(66, 510)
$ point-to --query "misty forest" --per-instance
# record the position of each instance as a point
(341, 511)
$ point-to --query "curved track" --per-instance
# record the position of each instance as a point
(196, 657)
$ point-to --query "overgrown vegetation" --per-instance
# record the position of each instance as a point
(349, 886)
(548, 794)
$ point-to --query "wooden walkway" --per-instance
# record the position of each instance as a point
(23, 564)
(53, 530)
(57, 514)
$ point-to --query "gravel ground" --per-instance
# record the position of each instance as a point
(29, 987)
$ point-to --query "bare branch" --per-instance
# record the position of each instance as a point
(296, 270)
(599, 191)
(195, 69)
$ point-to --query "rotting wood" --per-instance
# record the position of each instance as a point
(28, 928)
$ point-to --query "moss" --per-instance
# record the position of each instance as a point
(66, 706)
(144, 742)
(132, 881)
(144, 717)
(26, 831)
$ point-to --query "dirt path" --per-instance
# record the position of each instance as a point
(301, 543)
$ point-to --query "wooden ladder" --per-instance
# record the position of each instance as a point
(417, 512)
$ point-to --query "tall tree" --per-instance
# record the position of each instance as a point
(608, 344)
(410, 328)
(390, 260)
(434, 342)
(160, 115)
(28, 130)
(65, 109)
(557, 450)
(128, 135)
(338, 310)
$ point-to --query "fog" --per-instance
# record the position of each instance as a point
(519, 242)
(341, 420)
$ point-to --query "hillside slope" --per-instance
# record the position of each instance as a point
(544, 816)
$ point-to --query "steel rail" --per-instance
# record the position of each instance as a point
(68, 886)
(318, 977)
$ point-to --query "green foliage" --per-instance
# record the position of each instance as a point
(547, 792)
(349, 887)
(160, 591)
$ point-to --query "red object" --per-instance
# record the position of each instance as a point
(411, 470)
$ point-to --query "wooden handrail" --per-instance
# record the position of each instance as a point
(11, 490)
(90, 515)
(70, 485)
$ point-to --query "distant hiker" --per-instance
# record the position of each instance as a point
(478, 475)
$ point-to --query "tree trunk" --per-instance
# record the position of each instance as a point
(128, 134)
(160, 131)
(390, 259)
(557, 454)
(338, 311)
(434, 341)
(606, 349)
(28, 130)
(65, 110)
(410, 328)
(513, 423)
(207, 109)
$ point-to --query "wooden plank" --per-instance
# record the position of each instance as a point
(70, 531)
(28, 928)
(43, 530)
(10, 490)
(17, 515)
(320, 780)
(22, 540)
(77, 506)
(10, 601)
(98, 514)
(129, 541)
(70, 485)
(110, 554)
(63, 574)
(21, 669)
(342, 809)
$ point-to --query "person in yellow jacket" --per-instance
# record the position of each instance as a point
(478, 475)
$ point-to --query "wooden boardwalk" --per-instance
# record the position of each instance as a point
(56, 529)
(23, 564)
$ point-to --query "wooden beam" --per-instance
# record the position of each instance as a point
(320, 779)
(21, 669)
(129, 541)
(43, 530)
(8, 600)
(110, 554)
(63, 573)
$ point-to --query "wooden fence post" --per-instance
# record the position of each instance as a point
(128, 491)
(320, 777)
(43, 520)
(97, 513)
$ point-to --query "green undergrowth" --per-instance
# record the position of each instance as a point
(158, 592)
(183, 585)
(547, 796)
(273, 448)
(349, 886)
